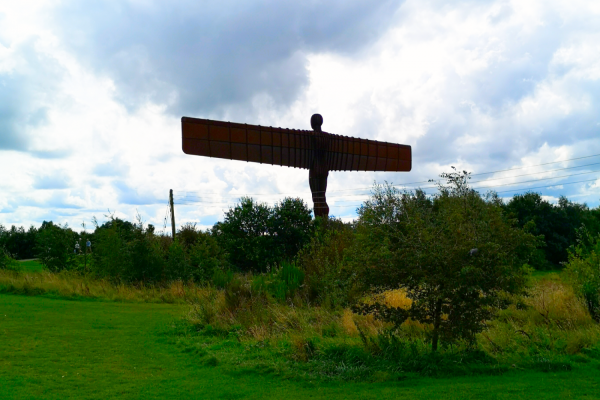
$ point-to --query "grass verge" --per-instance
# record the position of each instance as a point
(56, 349)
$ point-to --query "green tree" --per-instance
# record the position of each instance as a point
(583, 270)
(258, 237)
(557, 223)
(206, 256)
(455, 254)
(7, 262)
(126, 252)
(327, 275)
(244, 235)
(290, 227)
(177, 266)
(55, 246)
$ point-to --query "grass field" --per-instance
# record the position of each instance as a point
(31, 266)
(60, 349)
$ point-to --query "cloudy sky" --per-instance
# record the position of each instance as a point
(92, 95)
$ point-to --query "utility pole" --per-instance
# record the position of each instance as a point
(172, 212)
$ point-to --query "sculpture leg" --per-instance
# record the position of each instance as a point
(318, 187)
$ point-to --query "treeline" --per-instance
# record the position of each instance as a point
(255, 235)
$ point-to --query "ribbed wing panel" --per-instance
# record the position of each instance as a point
(354, 154)
(252, 143)
(289, 147)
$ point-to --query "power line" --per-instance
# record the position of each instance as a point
(541, 187)
(413, 183)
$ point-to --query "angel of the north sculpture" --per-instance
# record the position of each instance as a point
(317, 151)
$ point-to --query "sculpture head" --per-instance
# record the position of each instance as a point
(316, 121)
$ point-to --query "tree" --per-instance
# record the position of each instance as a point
(55, 246)
(257, 236)
(455, 254)
(290, 225)
(206, 256)
(583, 270)
(244, 235)
(557, 223)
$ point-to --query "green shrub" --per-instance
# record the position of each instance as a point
(177, 265)
(288, 280)
(222, 277)
(206, 257)
(7, 262)
(258, 237)
(55, 247)
(583, 270)
(327, 280)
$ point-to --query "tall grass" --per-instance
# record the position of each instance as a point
(73, 285)
(543, 331)
(550, 324)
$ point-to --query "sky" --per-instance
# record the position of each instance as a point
(92, 95)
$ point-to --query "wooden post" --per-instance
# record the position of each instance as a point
(172, 212)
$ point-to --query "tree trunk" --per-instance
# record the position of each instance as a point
(437, 316)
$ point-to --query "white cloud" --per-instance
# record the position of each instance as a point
(483, 86)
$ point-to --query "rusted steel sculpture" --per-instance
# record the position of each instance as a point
(317, 151)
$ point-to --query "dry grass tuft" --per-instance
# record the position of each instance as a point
(555, 320)
(396, 298)
(347, 322)
(557, 304)
(72, 285)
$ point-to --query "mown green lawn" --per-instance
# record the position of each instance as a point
(61, 349)
(31, 266)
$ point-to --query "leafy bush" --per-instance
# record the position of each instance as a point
(328, 278)
(222, 277)
(55, 246)
(583, 270)
(177, 265)
(7, 262)
(287, 280)
(455, 255)
(206, 257)
(125, 252)
(257, 237)
(18, 242)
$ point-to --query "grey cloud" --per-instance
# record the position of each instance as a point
(24, 95)
(9, 209)
(215, 53)
(58, 200)
(50, 154)
(128, 195)
(55, 181)
(113, 168)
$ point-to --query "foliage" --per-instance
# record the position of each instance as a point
(583, 270)
(290, 227)
(203, 252)
(557, 223)
(177, 265)
(18, 242)
(258, 237)
(282, 283)
(188, 234)
(455, 255)
(55, 246)
(328, 278)
(245, 236)
(7, 262)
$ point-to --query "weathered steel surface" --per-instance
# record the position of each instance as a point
(317, 151)
(289, 147)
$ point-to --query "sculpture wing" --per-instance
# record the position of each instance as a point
(354, 154)
(289, 147)
(252, 143)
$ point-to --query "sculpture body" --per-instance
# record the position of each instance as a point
(317, 151)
